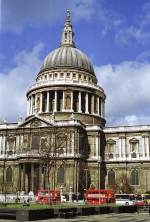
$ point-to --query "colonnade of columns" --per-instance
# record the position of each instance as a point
(59, 100)
(31, 177)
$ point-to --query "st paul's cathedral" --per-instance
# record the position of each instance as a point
(63, 142)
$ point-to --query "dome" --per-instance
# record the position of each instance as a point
(67, 57)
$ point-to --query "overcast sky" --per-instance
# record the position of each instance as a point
(115, 34)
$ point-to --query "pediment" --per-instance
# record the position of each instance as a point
(133, 140)
(111, 141)
(35, 122)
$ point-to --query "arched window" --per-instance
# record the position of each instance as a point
(111, 148)
(61, 175)
(111, 156)
(134, 147)
(134, 177)
(111, 178)
(9, 175)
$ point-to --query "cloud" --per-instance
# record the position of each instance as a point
(16, 14)
(138, 30)
(108, 19)
(127, 90)
(132, 32)
(126, 86)
(14, 83)
(144, 56)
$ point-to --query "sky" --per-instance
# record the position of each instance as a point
(115, 34)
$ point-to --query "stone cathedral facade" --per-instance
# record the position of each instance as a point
(63, 142)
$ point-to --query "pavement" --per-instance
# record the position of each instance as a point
(134, 217)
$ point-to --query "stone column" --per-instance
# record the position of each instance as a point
(124, 147)
(47, 104)
(98, 105)
(28, 105)
(4, 144)
(104, 109)
(55, 105)
(63, 103)
(87, 103)
(147, 145)
(120, 147)
(32, 177)
(23, 177)
(97, 146)
(35, 103)
(80, 111)
(17, 143)
(71, 101)
(40, 177)
(101, 108)
(41, 102)
(143, 146)
(92, 104)
(28, 109)
(31, 107)
(0, 144)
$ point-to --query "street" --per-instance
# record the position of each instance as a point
(100, 218)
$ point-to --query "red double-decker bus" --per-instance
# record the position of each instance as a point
(102, 196)
(48, 196)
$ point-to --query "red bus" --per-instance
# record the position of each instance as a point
(48, 197)
(94, 196)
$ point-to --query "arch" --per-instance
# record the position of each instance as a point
(111, 156)
(135, 177)
(133, 155)
(9, 175)
(110, 141)
(61, 175)
(134, 140)
(111, 178)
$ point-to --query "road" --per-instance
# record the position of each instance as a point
(135, 217)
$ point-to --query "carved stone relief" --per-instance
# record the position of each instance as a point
(11, 142)
(26, 142)
(35, 123)
(44, 143)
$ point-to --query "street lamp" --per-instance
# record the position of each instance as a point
(99, 175)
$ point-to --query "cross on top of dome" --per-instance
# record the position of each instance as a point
(67, 34)
(68, 15)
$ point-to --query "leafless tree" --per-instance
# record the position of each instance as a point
(123, 184)
(53, 148)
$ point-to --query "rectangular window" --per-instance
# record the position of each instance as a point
(35, 142)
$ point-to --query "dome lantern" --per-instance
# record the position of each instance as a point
(68, 34)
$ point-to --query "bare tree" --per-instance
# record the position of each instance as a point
(123, 184)
(53, 148)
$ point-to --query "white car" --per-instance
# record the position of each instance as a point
(125, 199)
(63, 199)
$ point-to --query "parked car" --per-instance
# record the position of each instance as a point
(146, 198)
(63, 199)
(139, 201)
(125, 199)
